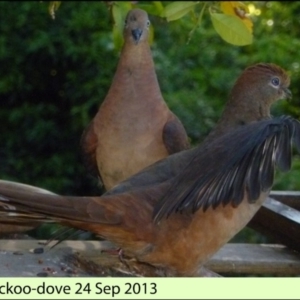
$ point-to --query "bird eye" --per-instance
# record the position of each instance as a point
(275, 81)
(148, 23)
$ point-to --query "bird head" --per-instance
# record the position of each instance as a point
(136, 27)
(264, 81)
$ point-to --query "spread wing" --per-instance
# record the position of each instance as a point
(242, 161)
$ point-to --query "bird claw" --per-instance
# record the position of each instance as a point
(115, 251)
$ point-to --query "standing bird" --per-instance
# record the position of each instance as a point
(180, 244)
(177, 213)
(134, 127)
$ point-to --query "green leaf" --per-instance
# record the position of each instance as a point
(231, 29)
(119, 11)
(158, 6)
(178, 9)
(117, 38)
(117, 15)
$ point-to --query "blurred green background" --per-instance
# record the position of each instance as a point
(55, 73)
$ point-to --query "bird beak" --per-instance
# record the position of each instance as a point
(137, 33)
(288, 93)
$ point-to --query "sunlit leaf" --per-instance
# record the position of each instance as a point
(119, 11)
(159, 7)
(117, 38)
(228, 6)
(232, 29)
(53, 6)
(239, 9)
(151, 34)
(178, 9)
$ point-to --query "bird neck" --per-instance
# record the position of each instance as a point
(240, 110)
(136, 71)
(136, 58)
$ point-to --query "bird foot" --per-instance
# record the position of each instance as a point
(119, 252)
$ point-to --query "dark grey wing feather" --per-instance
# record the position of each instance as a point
(267, 166)
(284, 149)
(253, 184)
(296, 137)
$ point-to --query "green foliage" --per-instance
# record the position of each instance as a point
(55, 73)
(178, 9)
(43, 112)
(232, 23)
